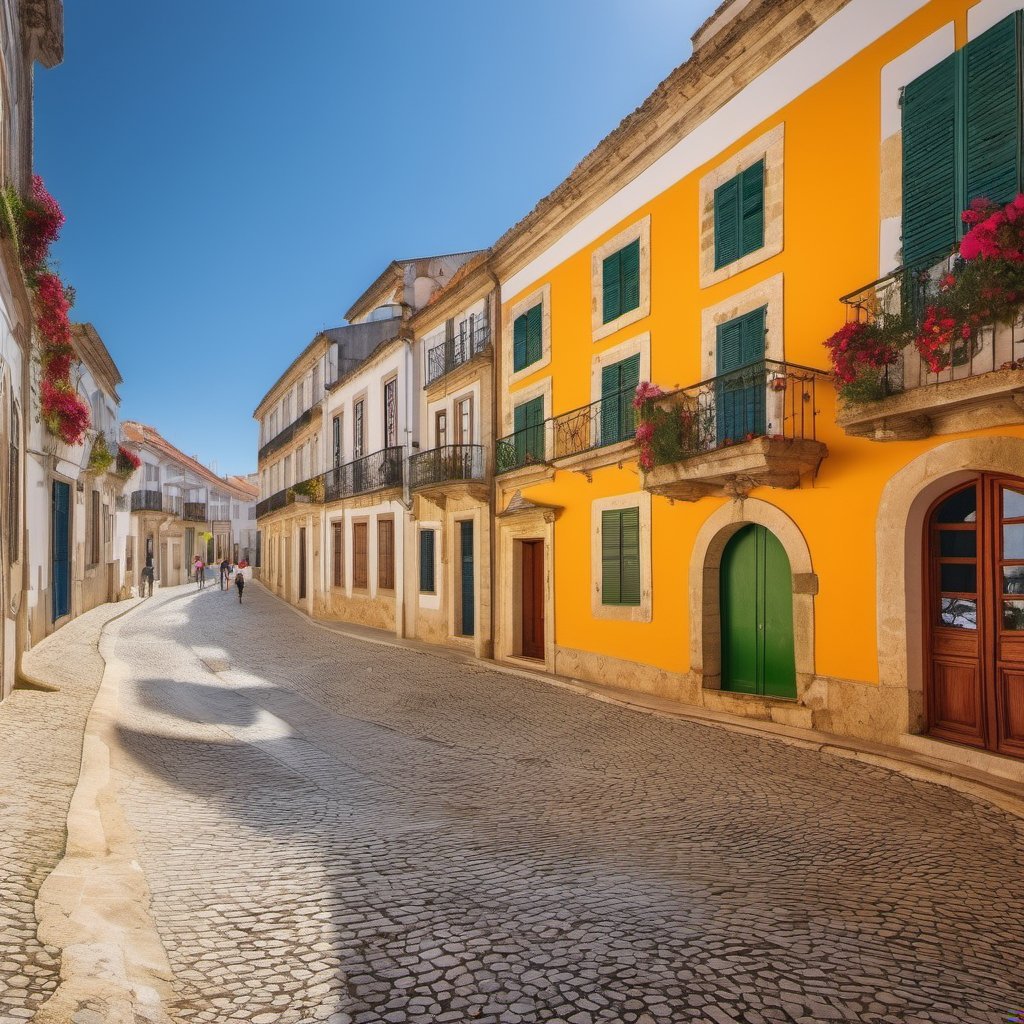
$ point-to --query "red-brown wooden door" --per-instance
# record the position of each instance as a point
(533, 598)
(975, 626)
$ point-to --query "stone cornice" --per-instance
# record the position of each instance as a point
(90, 349)
(756, 38)
(296, 368)
(461, 293)
(42, 26)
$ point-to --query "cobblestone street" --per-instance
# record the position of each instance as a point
(335, 829)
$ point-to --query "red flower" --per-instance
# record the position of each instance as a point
(41, 221)
(64, 412)
(127, 457)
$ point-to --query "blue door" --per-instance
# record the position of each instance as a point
(741, 380)
(61, 549)
(466, 552)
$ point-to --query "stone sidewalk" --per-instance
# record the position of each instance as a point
(40, 756)
(336, 830)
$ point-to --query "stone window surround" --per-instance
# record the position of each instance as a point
(640, 229)
(395, 565)
(540, 295)
(539, 389)
(623, 613)
(331, 521)
(770, 147)
(371, 563)
(430, 600)
(768, 293)
(454, 568)
(641, 345)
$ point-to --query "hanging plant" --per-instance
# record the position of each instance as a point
(63, 411)
(101, 458)
(127, 462)
(34, 224)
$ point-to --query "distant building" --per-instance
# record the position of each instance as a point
(180, 509)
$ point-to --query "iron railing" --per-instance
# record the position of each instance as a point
(904, 296)
(453, 352)
(372, 472)
(525, 447)
(194, 511)
(607, 421)
(273, 503)
(280, 439)
(450, 462)
(147, 501)
(765, 399)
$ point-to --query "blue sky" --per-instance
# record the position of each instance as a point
(233, 179)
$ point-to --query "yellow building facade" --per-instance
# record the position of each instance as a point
(647, 265)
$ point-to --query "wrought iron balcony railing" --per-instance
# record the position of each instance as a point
(525, 447)
(277, 500)
(194, 511)
(280, 439)
(452, 353)
(604, 422)
(449, 463)
(905, 294)
(765, 399)
(371, 473)
(147, 501)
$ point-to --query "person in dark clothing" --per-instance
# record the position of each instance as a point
(240, 584)
(147, 578)
(225, 569)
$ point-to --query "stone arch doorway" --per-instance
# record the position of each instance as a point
(902, 568)
(974, 614)
(789, 554)
(756, 603)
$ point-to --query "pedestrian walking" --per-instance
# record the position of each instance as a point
(225, 569)
(147, 578)
(240, 584)
(200, 570)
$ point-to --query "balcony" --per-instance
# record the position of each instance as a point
(442, 359)
(753, 427)
(982, 384)
(279, 440)
(452, 469)
(194, 511)
(526, 447)
(599, 434)
(376, 472)
(147, 501)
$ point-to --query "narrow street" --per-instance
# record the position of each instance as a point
(338, 830)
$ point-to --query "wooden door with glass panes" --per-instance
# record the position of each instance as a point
(974, 691)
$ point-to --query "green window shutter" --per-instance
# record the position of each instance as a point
(930, 194)
(992, 113)
(630, 268)
(611, 557)
(752, 326)
(611, 286)
(519, 360)
(729, 350)
(629, 378)
(618, 387)
(528, 420)
(427, 582)
(727, 223)
(752, 208)
(630, 545)
(534, 335)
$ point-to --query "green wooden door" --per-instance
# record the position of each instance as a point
(757, 615)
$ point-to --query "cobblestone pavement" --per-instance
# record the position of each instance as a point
(338, 830)
(40, 752)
